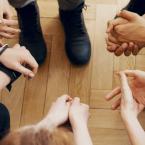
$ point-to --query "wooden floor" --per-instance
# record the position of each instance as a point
(29, 101)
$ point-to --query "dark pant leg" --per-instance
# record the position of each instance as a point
(69, 4)
(19, 3)
(4, 121)
(137, 6)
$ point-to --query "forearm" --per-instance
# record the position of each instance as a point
(82, 136)
(135, 131)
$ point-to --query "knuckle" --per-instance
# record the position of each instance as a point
(23, 47)
(117, 29)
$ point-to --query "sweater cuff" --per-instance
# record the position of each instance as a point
(12, 74)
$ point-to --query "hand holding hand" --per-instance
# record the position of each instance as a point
(125, 34)
(7, 25)
(7, 29)
(78, 114)
(59, 111)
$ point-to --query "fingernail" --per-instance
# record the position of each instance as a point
(31, 75)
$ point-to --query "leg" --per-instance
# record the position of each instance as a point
(31, 33)
(77, 42)
(69, 4)
(20, 3)
(137, 6)
(4, 121)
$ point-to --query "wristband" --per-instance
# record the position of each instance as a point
(3, 48)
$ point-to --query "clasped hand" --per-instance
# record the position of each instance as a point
(65, 108)
(126, 34)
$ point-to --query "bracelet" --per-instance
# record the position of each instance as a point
(3, 48)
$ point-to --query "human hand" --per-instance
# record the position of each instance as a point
(119, 31)
(131, 31)
(113, 44)
(137, 85)
(119, 48)
(59, 111)
(19, 59)
(78, 114)
(5, 11)
(129, 106)
(7, 25)
(7, 29)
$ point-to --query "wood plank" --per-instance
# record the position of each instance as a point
(97, 99)
(104, 118)
(122, 3)
(35, 91)
(109, 119)
(58, 75)
(140, 62)
(122, 63)
(51, 26)
(102, 60)
(109, 137)
(80, 77)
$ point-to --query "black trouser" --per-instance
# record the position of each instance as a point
(137, 6)
(4, 121)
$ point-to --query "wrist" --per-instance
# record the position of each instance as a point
(46, 124)
(53, 120)
(79, 125)
(129, 118)
(4, 80)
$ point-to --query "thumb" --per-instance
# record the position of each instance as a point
(25, 71)
(130, 16)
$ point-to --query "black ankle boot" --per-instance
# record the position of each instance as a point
(136, 6)
(4, 121)
(31, 33)
(77, 43)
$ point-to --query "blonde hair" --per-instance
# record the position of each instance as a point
(59, 136)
